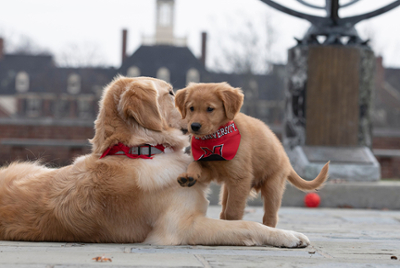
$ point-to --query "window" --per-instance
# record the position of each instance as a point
(263, 108)
(163, 74)
(133, 71)
(192, 76)
(253, 85)
(165, 13)
(252, 90)
(22, 82)
(84, 108)
(74, 84)
(62, 108)
(33, 107)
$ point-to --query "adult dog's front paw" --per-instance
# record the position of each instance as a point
(186, 180)
(290, 239)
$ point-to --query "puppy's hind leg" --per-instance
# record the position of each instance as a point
(272, 191)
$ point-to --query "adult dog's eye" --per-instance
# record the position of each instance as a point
(171, 93)
(210, 109)
(191, 108)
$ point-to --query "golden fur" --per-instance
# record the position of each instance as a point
(260, 163)
(123, 200)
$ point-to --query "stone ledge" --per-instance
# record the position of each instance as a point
(47, 122)
(349, 163)
(45, 142)
(364, 195)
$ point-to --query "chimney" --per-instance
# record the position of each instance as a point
(379, 73)
(203, 47)
(124, 37)
(1, 48)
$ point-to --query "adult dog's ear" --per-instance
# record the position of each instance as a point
(232, 99)
(180, 101)
(140, 102)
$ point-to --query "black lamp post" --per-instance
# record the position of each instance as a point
(330, 83)
(332, 26)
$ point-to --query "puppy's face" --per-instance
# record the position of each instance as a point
(206, 107)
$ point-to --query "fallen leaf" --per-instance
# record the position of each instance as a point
(101, 259)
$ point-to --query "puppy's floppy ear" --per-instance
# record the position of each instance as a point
(140, 102)
(180, 101)
(232, 99)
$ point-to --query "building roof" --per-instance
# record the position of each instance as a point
(178, 60)
(35, 65)
(270, 86)
(92, 79)
(45, 77)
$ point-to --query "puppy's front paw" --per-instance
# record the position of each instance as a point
(186, 180)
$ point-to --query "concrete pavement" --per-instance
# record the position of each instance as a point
(339, 237)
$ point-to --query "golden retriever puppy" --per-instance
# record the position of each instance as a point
(237, 150)
(125, 191)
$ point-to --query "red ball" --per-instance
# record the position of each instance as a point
(312, 200)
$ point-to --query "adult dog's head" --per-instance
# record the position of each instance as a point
(207, 106)
(137, 111)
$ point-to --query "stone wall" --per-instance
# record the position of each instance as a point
(386, 148)
(55, 143)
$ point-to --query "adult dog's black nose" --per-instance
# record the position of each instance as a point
(195, 126)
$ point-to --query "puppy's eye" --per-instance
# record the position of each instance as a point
(210, 109)
(171, 93)
(191, 108)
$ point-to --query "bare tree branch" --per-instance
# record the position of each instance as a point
(249, 50)
(81, 55)
(23, 45)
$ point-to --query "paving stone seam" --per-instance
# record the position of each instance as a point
(202, 260)
(326, 255)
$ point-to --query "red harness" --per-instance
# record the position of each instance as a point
(221, 145)
(144, 151)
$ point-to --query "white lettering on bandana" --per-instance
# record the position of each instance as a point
(218, 146)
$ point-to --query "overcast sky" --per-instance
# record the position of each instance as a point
(57, 24)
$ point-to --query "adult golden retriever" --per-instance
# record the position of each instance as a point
(260, 163)
(116, 198)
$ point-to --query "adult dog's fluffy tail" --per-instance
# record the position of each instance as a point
(304, 185)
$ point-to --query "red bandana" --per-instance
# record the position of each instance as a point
(143, 151)
(221, 145)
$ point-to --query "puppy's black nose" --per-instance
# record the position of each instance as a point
(195, 126)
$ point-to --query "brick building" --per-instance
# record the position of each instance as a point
(47, 112)
(56, 142)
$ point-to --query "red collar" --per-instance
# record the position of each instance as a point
(143, 151)
(221, 145)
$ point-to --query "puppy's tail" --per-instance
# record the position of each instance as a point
(304, 185)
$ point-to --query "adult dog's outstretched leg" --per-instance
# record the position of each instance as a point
(206, 231)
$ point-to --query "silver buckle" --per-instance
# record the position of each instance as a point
(146, 150)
